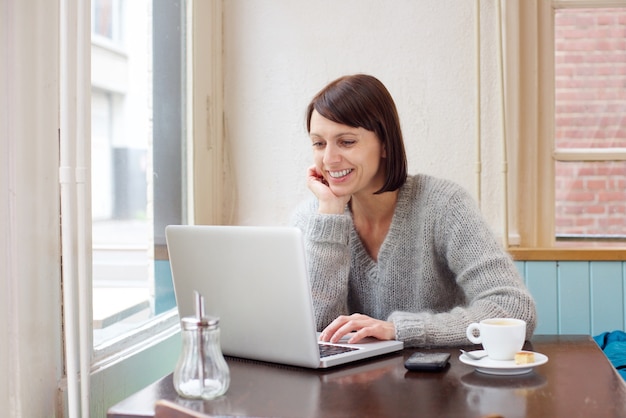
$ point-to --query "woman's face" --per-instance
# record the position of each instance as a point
(348, 158)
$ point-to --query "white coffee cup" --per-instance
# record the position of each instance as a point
(501, 337)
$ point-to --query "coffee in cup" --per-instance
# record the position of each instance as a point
(501, 337)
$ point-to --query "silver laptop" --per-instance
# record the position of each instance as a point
(255, 280)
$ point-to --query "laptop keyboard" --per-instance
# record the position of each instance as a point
(329, 350)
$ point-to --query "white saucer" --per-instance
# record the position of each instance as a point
(502, 367)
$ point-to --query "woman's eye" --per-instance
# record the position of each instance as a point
(347, 143)
(318, 144)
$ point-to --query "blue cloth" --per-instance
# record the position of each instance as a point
(614, 346)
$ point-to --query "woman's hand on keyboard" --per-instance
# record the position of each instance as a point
(360, 326)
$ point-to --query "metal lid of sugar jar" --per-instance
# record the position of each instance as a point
(190, 323)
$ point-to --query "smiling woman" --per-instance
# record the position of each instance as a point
(394, 256)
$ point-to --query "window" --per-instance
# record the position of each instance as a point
(138, 159)
(566, 97)
(590, 125)
(50, 121)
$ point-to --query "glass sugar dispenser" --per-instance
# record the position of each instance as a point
(201, 371)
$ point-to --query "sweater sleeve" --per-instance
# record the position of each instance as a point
(326, 239)
(492, 287)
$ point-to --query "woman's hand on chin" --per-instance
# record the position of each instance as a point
(329, 203)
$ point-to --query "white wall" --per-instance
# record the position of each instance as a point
(279, 53)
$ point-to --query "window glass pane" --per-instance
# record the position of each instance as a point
(590, 71)
(591, 200)
(136, 169)
(590, 109)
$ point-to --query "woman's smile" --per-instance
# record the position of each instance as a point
(340, 173)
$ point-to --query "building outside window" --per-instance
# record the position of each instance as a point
(138, 136)
(590, 126)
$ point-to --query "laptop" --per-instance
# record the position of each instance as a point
(254, 278)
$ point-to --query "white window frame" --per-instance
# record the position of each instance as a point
(529, 81)
(154, 347)
(30, 302)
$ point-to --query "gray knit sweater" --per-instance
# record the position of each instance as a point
(439, 269)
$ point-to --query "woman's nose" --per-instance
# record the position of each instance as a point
(331, 154)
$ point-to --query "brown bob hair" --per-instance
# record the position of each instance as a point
(362, 101)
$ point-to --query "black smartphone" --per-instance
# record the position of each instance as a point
(427, 361)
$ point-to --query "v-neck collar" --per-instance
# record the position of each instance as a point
(398, 220)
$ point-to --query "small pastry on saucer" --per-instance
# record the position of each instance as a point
(524, 357)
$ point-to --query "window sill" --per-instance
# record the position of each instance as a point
(152, 331)
(568, 254)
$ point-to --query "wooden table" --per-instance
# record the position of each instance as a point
(577, 381)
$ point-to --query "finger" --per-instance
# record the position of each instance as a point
(332, 328)
(312, 169)
(347, 325)
(371, 329)
(358, 336)
(341, 332)
(317, 184)
(313, 172)
(381, 330)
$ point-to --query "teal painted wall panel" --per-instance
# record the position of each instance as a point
(607, 296)
(574, 300)
(541, 279)
(164, 298)
(577, 297)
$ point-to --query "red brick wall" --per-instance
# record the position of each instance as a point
(590, 70)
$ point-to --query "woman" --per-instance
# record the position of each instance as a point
(394, 256)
